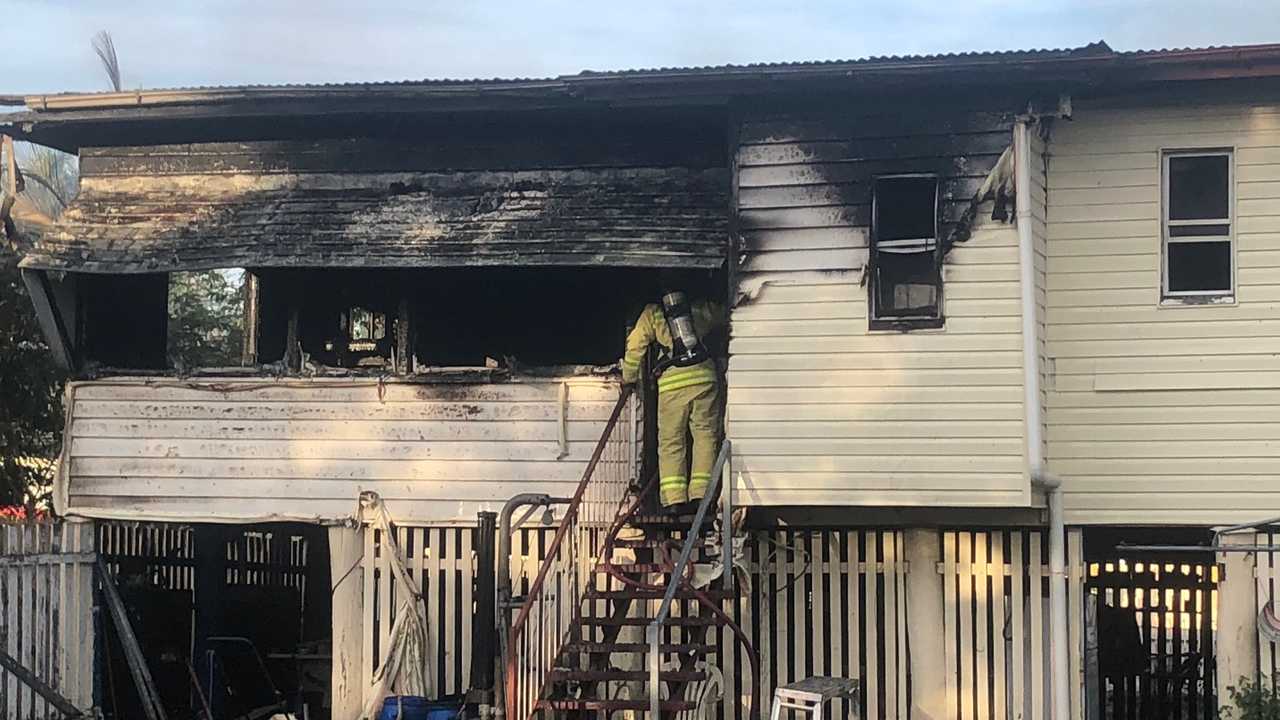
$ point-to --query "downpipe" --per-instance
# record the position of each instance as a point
(1060, 658)
(1060, 676)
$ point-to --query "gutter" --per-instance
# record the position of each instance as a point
(1059, 665)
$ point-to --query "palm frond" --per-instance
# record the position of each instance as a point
(106, 50)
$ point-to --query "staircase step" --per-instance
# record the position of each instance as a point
(690, 620)
(663, 520)
(634, 594)
(634, 568)
(622, 675)
(590, 647)
(612, 705)
(647, 542)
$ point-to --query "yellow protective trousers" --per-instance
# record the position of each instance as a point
(687, 412)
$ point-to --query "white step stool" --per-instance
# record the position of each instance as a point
(811, 695)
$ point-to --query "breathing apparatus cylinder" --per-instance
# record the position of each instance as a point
(687, 348)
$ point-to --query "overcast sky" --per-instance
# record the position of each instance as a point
(166, 43)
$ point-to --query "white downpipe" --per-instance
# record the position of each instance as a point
(1027, 285)
(1060, 676)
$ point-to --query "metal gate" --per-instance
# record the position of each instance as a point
(1153, 619)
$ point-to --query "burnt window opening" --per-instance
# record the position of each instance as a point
(122, 321)
(419, 320)
(905, 260)
(533, 317)
(1198, 235)
(208, 312)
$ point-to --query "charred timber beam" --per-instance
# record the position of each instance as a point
(28, 678)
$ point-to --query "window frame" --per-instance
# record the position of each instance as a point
(1175, 298)
(903, 322)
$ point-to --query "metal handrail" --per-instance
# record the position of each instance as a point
(571, 552)
(654, 630)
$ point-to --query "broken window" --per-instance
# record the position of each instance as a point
(207, 314)
(365, 338)
(1198, 246)
(906, 277)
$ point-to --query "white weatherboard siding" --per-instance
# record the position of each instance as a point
(295, 449)
(823, 411)
(1161, 415)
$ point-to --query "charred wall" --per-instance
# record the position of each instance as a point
(804, 170)
(826, 408)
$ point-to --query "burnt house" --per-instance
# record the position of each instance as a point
(436, 279)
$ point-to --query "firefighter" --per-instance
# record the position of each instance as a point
(688, 389)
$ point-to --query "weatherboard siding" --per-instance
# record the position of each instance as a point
(1161, 415)
(823, 411)
(266, 449)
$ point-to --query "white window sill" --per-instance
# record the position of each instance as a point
(1191, 301)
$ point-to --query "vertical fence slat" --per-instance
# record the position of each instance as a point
(964, 598)
(370, 588)
(871, 623)
(1036, 599)
(1017, 647)
(1075, 629)
(981, 612)
(817, 571)
(900, 612)
(839, 617)
(888, 630)
(11, 622)
(999, 701)
(950, 636)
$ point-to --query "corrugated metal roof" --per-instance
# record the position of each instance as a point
(942, 59)
(1092, 49)
(1098, 51)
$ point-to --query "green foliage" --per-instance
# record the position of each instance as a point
(1252, 701)
(30, 395)
(52, 177)
(206, 318)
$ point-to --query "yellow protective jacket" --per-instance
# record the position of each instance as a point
(652, 327)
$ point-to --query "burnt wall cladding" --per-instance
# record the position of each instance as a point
(531, 144)
(808, 169)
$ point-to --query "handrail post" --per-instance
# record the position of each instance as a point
(677, 574)
(726, 519)
(654, 633)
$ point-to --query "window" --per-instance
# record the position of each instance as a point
(364, 328)
(207, 318)
(1198, 247)
(906, 277)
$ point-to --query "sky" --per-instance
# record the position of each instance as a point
(172, 43)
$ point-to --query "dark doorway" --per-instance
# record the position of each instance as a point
(1152, 614)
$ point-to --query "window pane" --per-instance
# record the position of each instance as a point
(1199, 266)
(906, 285)
(905, 208)
(1199, 230)
(1198, 187)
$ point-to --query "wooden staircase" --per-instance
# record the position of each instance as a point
(602, 671)
(612, 622)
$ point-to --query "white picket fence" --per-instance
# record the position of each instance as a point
(820, 602)
(442, 561)
(46, 614)
(996, 624)
(823, 602)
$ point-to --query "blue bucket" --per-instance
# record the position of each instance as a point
(411, 707)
